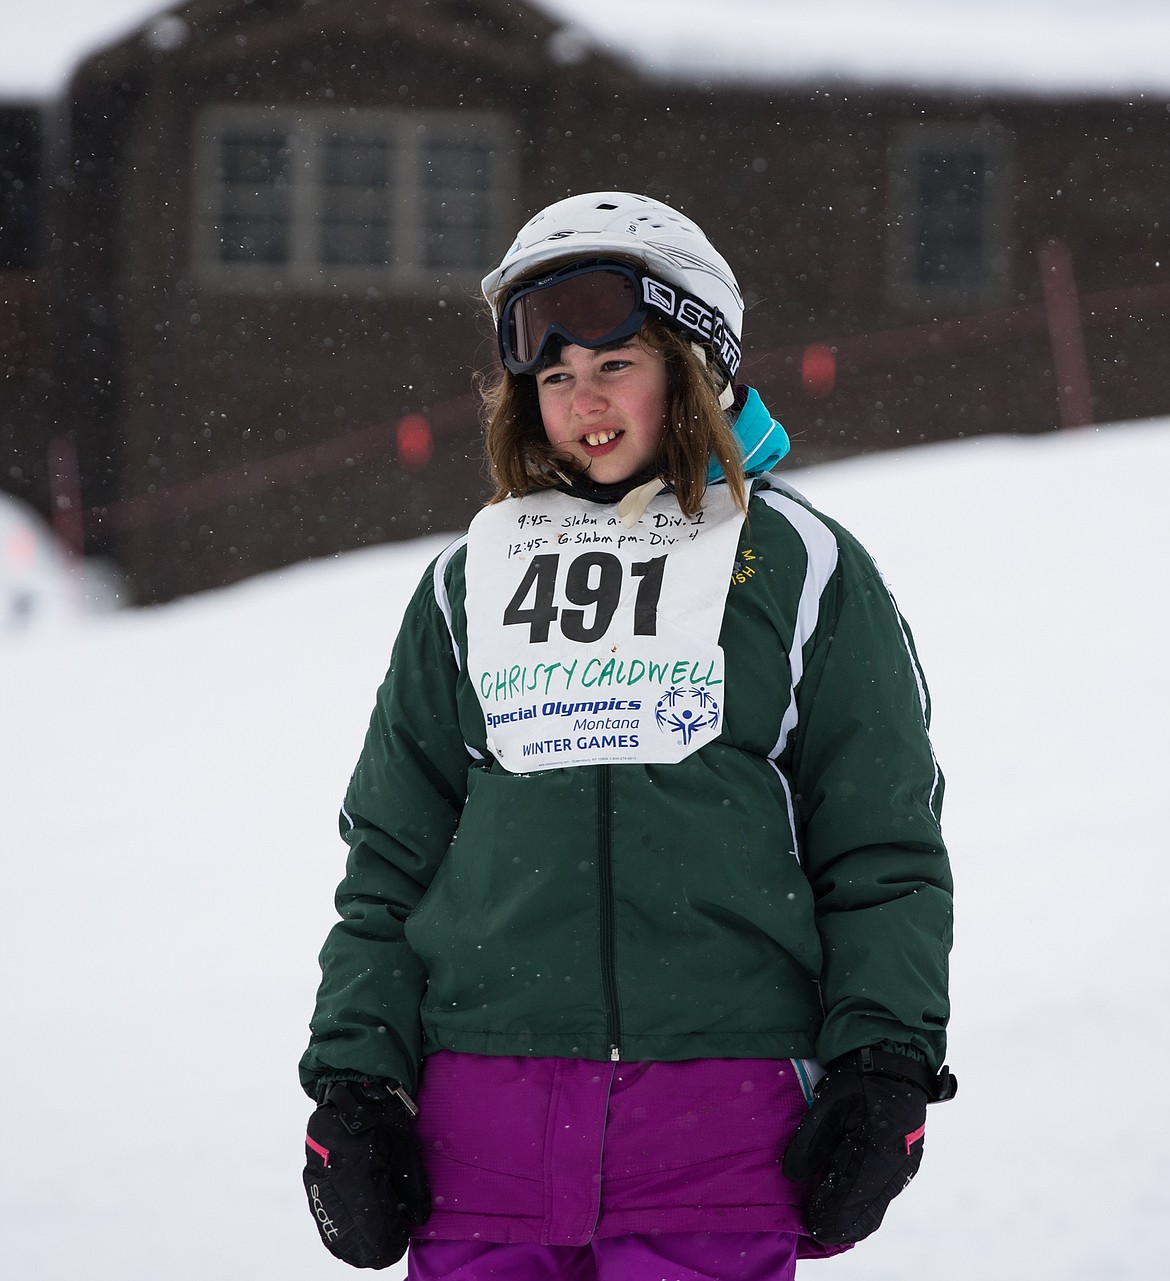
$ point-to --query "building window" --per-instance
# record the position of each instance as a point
(254, 196)
(20, 164)
(949, 201)
(328, 196)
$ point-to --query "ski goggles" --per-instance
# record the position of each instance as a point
(599, 302)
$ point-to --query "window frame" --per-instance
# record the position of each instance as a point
(905, 215)
(309, 128)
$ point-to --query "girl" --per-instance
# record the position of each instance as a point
(645, 829)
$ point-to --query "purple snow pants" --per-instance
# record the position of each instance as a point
(578, 1169)
(665, 1256)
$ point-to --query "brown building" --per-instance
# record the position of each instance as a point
(264, 322)
(24, 348)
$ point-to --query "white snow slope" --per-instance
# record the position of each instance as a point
(168, 849)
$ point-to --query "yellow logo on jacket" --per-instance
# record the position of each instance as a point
(743, 569)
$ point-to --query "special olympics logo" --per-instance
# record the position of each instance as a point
(684, 711)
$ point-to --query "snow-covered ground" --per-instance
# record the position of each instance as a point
(41, 585)
(168, 784)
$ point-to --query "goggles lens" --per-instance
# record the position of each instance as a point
(589, 306)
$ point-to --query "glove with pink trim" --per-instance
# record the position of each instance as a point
(861, 1142)
(364, 1174)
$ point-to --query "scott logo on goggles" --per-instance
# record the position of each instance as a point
(695, 316)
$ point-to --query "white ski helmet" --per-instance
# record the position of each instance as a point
(632, 227)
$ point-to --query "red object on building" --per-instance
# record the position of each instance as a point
(818, 370)
(1070, 364)
(66, 513)
(414, 442)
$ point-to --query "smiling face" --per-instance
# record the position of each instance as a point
(605, 409)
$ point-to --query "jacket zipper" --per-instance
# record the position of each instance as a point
(613, 1022)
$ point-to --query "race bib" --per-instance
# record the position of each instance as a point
(591, 643)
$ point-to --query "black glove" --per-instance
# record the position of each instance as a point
(364, 1173)
(865, 1128)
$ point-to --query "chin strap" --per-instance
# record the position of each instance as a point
(634, 504)
(727, 395)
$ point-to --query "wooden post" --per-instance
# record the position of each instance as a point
(1069, 362)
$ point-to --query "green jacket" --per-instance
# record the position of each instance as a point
(783, 892)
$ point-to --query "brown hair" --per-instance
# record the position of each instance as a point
(521, 459)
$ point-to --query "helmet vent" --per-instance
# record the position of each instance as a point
(607, 206)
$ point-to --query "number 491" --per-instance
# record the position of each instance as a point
(593, 580)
